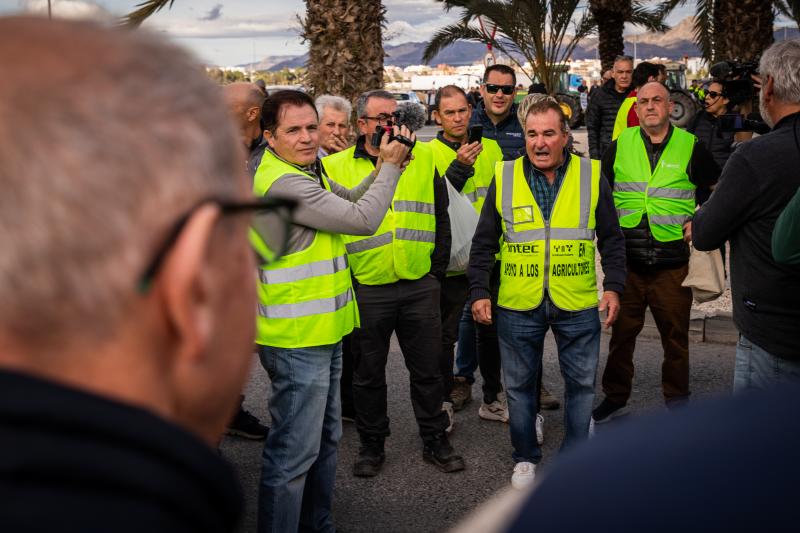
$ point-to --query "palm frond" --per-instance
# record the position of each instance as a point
(653, 20)
(144, 10)
(448, 35)
(704, 27)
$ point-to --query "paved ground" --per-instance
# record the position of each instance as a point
(411, 496)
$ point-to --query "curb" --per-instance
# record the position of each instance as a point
(717, 327)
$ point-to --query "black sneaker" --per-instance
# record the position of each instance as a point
(439, 453)
(607, 411)
(370, 459)
(246, 425)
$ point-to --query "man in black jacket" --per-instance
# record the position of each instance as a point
(127, 316)
(604, 105)
(663, 199)
(759, 180)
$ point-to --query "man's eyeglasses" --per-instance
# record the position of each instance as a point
(713, 94)
(383, 118)
(491, 88)
(269, 231)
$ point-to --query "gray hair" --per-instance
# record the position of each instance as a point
(97, 165)
(363, 98)
(539, 103)
(335, 102)
(782, 62)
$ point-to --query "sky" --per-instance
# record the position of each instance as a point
(233, 32)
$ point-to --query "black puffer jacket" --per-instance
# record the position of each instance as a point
(706, 127)
(600, 117)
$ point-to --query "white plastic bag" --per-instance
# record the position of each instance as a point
(706, 275)
(463, 221)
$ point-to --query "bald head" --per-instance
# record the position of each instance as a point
(244, 102)
(653, 107)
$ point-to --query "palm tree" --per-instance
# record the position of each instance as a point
(345, 46)
(609, 18)
(538, 30)
(345, 43)
(735, 29)
(534, 30)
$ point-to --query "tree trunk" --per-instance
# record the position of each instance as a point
(610, 16)
(345, 46)
(745, 29)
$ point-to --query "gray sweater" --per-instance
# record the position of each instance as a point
(356, 211)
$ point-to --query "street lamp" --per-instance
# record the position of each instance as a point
(49, 10)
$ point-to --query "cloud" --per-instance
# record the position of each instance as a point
(228, 28)
(213, 14)
(72, 9)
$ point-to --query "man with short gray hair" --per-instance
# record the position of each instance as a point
(758, 181)
(334, 123)
(128, 299)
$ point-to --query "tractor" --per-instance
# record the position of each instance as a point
(684, 104)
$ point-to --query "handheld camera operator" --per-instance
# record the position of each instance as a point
(398, 270)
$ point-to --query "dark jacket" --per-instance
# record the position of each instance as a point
(600, 117)
(440, 257)
(643, 251)
(486, 242)
(71, 461)
(706, 127)
(760, 178)
(508, 132)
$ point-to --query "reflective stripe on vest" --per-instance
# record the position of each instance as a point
(306, 297)
(402, 245)
(477, 186)
(621, 122)
(667, 195)
(556, 255)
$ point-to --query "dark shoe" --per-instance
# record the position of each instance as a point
(462, 393)
(348, 414)
(246, 425)
(607, 411)
(439, 453)
(370, 460)
(548, 401)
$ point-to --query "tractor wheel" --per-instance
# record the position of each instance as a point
(684, 108)
(575, 114)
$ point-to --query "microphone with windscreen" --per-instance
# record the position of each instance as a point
(411, 116)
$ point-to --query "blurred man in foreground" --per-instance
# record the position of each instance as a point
(127, 316)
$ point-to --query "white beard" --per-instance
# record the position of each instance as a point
(762, 108)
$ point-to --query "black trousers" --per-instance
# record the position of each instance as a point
(346, 382)
(488, 347)
(411, 310)
(451, 306)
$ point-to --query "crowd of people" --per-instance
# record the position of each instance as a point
(132, 297)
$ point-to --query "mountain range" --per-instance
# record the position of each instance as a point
(674, 44)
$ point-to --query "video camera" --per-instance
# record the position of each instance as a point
(736, 122)
(735, 78)
(410, 116)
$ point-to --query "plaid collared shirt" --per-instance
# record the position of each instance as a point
(544, 193)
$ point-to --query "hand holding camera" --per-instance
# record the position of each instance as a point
(396, 147)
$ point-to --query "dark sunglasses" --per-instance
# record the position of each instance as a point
(491, 88)
(269, 231)
(713, 94)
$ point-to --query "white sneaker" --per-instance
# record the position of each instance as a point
(591, 428)
(447, 407)
(539, 429)
(523, 476)
(497, 410)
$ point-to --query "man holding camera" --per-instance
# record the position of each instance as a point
(398, 270)
(467, 161)
(654, 170)
(760, 178)
(306, 305)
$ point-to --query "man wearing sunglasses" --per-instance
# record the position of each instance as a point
(306, 305)
(127, 315)
(497, 113)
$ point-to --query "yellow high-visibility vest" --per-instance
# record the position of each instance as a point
(555, 255)
(306, 297)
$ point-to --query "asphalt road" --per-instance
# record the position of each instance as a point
(412, 496)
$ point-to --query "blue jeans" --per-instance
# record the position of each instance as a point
(758, 369)
(299, 459)
(521, 335)
(466, 351)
